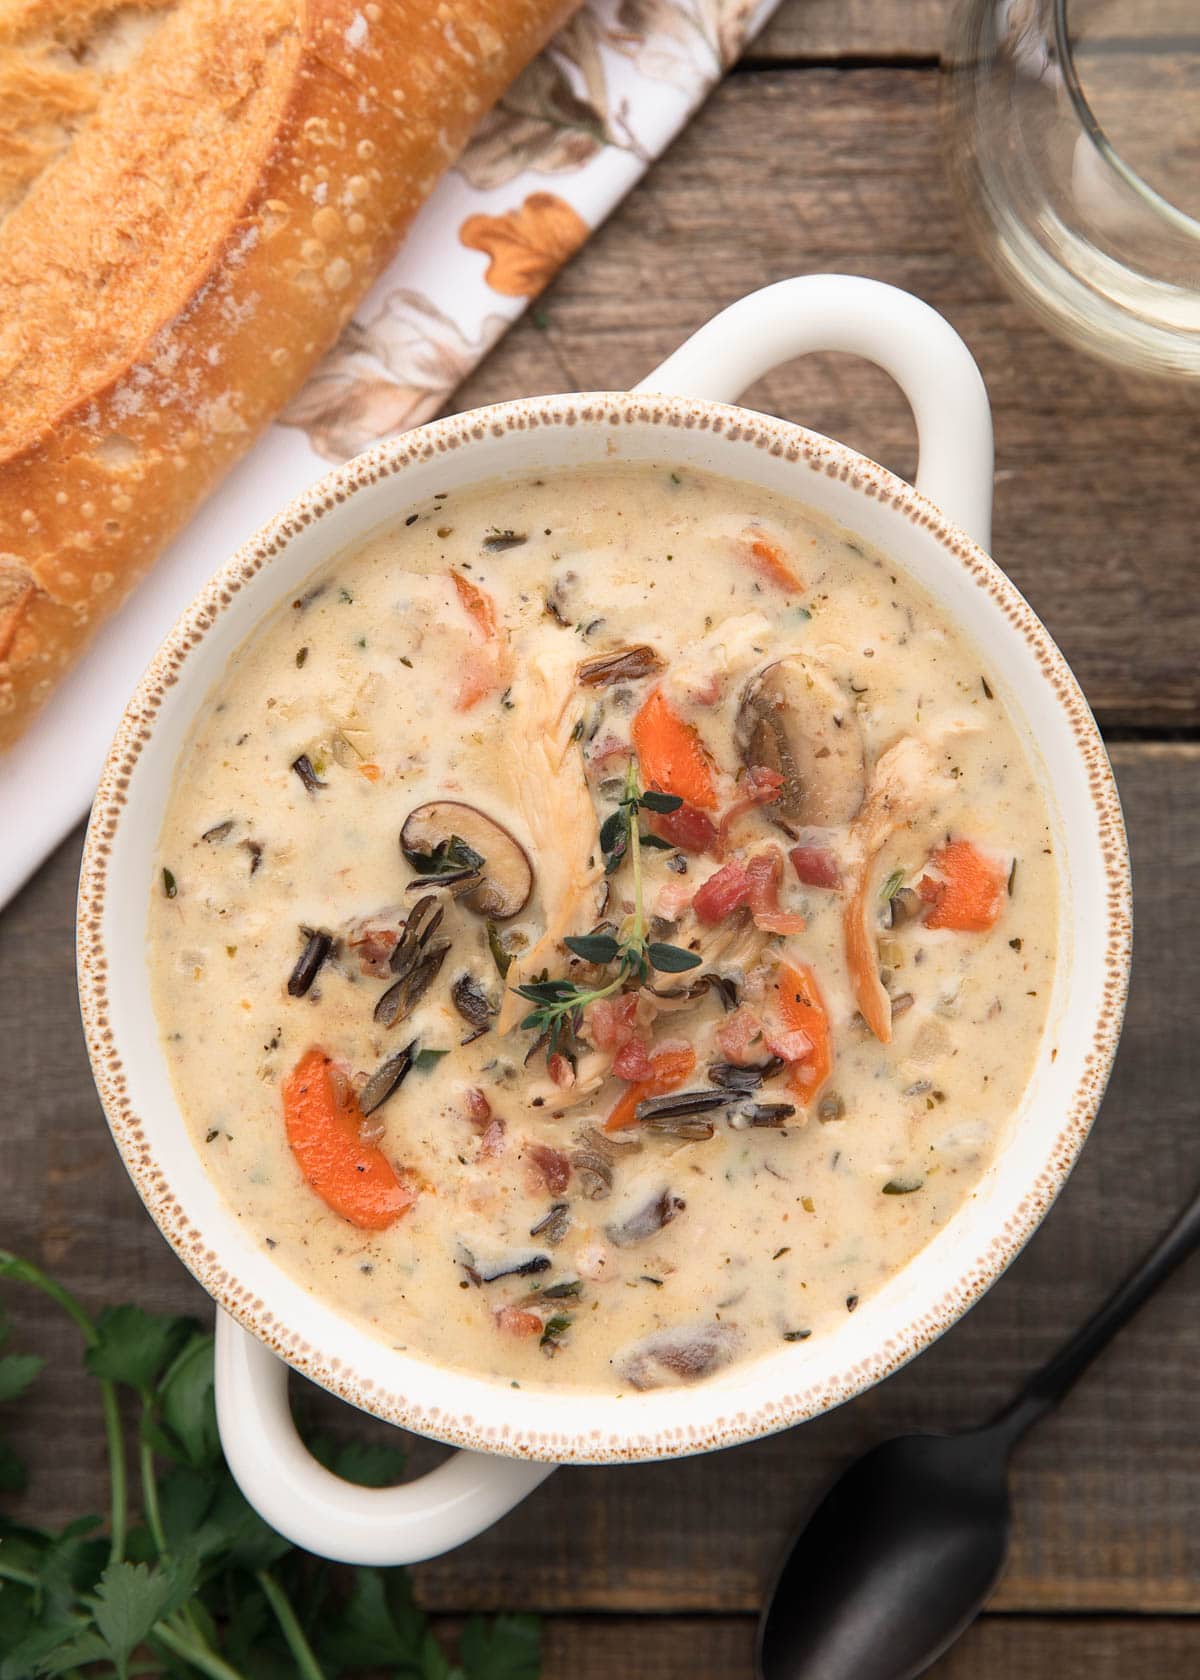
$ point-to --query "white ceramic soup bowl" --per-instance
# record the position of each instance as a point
(511, 1437)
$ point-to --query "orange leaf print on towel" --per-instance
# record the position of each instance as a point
(526, 247)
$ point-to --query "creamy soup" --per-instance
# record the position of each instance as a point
(602, 928)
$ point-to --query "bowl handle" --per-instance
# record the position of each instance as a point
(317, 1510)
(902, 335)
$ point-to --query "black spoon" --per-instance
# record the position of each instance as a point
(898, 1558)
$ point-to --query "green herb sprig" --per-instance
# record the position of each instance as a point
(197, 1584)
(448, 857)
(560, 1002)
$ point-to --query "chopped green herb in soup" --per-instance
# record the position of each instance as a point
(602, 928)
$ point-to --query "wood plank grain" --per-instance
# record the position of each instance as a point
(1098, 481)
(815, 31)
(996, 1648)
(1107, 1494)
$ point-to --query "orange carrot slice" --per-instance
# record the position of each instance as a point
(968, 892)
(671, 754)
(771, 562)
(513, 1322)
(477, 603)
(483, 667)
(862, 958)
(353, 1178)
(671, 1068)
(802, 1009)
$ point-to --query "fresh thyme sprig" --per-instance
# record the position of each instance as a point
(560, 1002)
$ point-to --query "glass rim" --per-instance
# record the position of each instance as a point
(1095, 132)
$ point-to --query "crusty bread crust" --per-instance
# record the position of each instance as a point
(193, 246)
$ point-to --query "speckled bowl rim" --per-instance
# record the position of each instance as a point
(796, 445)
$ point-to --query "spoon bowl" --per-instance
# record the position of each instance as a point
(894, 1562)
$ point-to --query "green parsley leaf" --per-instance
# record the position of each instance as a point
(12, 1471)
(379, 1626)
(372, 1464)
(670, 959)
(129, 1600)
(187, 1405)
(507, 1648)
(656, 842)
(555, 1327)
(51, 1648)
(135, 1346)
(17, 1371)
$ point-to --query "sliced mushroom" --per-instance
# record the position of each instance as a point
(648, 1219)
(685, 1354)
(506, 874)
(795, 718)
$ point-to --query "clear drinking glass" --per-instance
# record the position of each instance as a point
(1073, 136)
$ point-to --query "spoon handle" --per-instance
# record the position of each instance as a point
(1047, 1386)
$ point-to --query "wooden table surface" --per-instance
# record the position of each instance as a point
(820, 152)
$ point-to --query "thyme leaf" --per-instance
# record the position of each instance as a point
(448, 857)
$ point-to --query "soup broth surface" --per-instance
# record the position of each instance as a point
(818, 971)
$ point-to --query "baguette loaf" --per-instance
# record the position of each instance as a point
(194, 194)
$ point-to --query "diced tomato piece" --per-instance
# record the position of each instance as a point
(740, 1037)
(551, 1165)
(610, 1021)
(816, 867)
(633, 1059)
(803, 1014)
(756, 786)
(790, 1044)
(491, 1143)
(560, 1071)
(765, 873)
(479, 1109)
(672, 899)
(514, 1322)
(601, 757)
(373, 944)
(689, 829)
(726, 891)
(670, 1066)
(705, 692)
(784, 922)
(967, 893)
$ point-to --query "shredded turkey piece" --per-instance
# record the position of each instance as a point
(906, 784)
(545, 765)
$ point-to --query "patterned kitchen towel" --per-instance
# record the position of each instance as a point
(560, 150)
